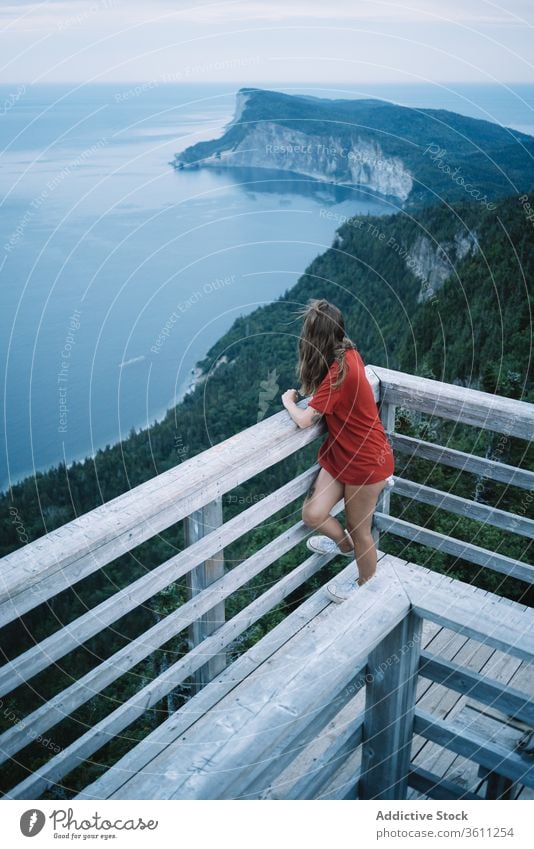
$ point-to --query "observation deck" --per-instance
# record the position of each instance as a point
(418, 686)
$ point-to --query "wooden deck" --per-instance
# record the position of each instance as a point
(379, 697)
(286, 720)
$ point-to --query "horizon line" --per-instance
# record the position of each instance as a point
(301, 83)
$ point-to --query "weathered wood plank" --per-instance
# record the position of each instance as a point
(495, 785)
(465, 507)
(387, 417)
(470, 406)
(123, 716)
(198, 525)
(453, 646)
(262, 717)
(445, 643)
(312, 769)
(209, 699)
(389, 711)
(436, 787)
(324, 718)
(81, 629)
(462, 651)
(61, 705)
(84, 545)
(344, 783)
(475, 746)
(470, 611)
(488, 722)
(491, 469)
(446, 703)
(276, 708)
(131, 518)
(457, 547)
(523, 678)
(98, 537)
(489, 662)
(477, 686)
(434, 698)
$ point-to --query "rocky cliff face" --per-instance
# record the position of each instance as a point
(360, 163)
(433, 263)
(411, 155)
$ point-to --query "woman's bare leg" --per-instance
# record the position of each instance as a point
(360, 504)
(323, 494)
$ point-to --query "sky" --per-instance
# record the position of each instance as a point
(257, 42)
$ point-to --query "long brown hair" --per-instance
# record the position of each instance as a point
(322, 341)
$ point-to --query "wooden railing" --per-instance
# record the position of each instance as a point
(324, 706)
(192, 492)
(467, 406)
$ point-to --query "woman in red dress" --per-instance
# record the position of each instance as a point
(356, 458)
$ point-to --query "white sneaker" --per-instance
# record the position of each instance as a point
(324, 545)
(339, 590)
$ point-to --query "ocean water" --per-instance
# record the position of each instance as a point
(117, 273)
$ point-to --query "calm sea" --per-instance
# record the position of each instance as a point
(118, 273)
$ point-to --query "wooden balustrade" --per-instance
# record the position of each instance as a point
(193, 492)
(290, 720)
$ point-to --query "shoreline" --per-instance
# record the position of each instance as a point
(196, 377)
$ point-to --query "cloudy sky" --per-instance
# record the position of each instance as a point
(257, 41)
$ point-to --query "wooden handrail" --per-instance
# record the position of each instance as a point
(457, 547)
(81, 547)
(493, 620)
(482, 466)
(86, 544)
(98, 678)
(459, 403)
(58, 644)
(123, 716)
(99, 536)
(466, 507)
(63, 557)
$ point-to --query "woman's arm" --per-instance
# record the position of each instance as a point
(302, 418)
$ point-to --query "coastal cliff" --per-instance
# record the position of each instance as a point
(410, 155)
(363, 163)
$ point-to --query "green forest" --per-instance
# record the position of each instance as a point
(473, 329)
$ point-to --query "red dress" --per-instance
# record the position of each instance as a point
(356, 450)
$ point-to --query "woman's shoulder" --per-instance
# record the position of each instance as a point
(354, 356)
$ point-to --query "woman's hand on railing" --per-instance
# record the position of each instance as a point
(302, 418)
(289, 398)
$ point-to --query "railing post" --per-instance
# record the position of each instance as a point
(389, 712)
(497, 786)
(196, 526)
(387, 417)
